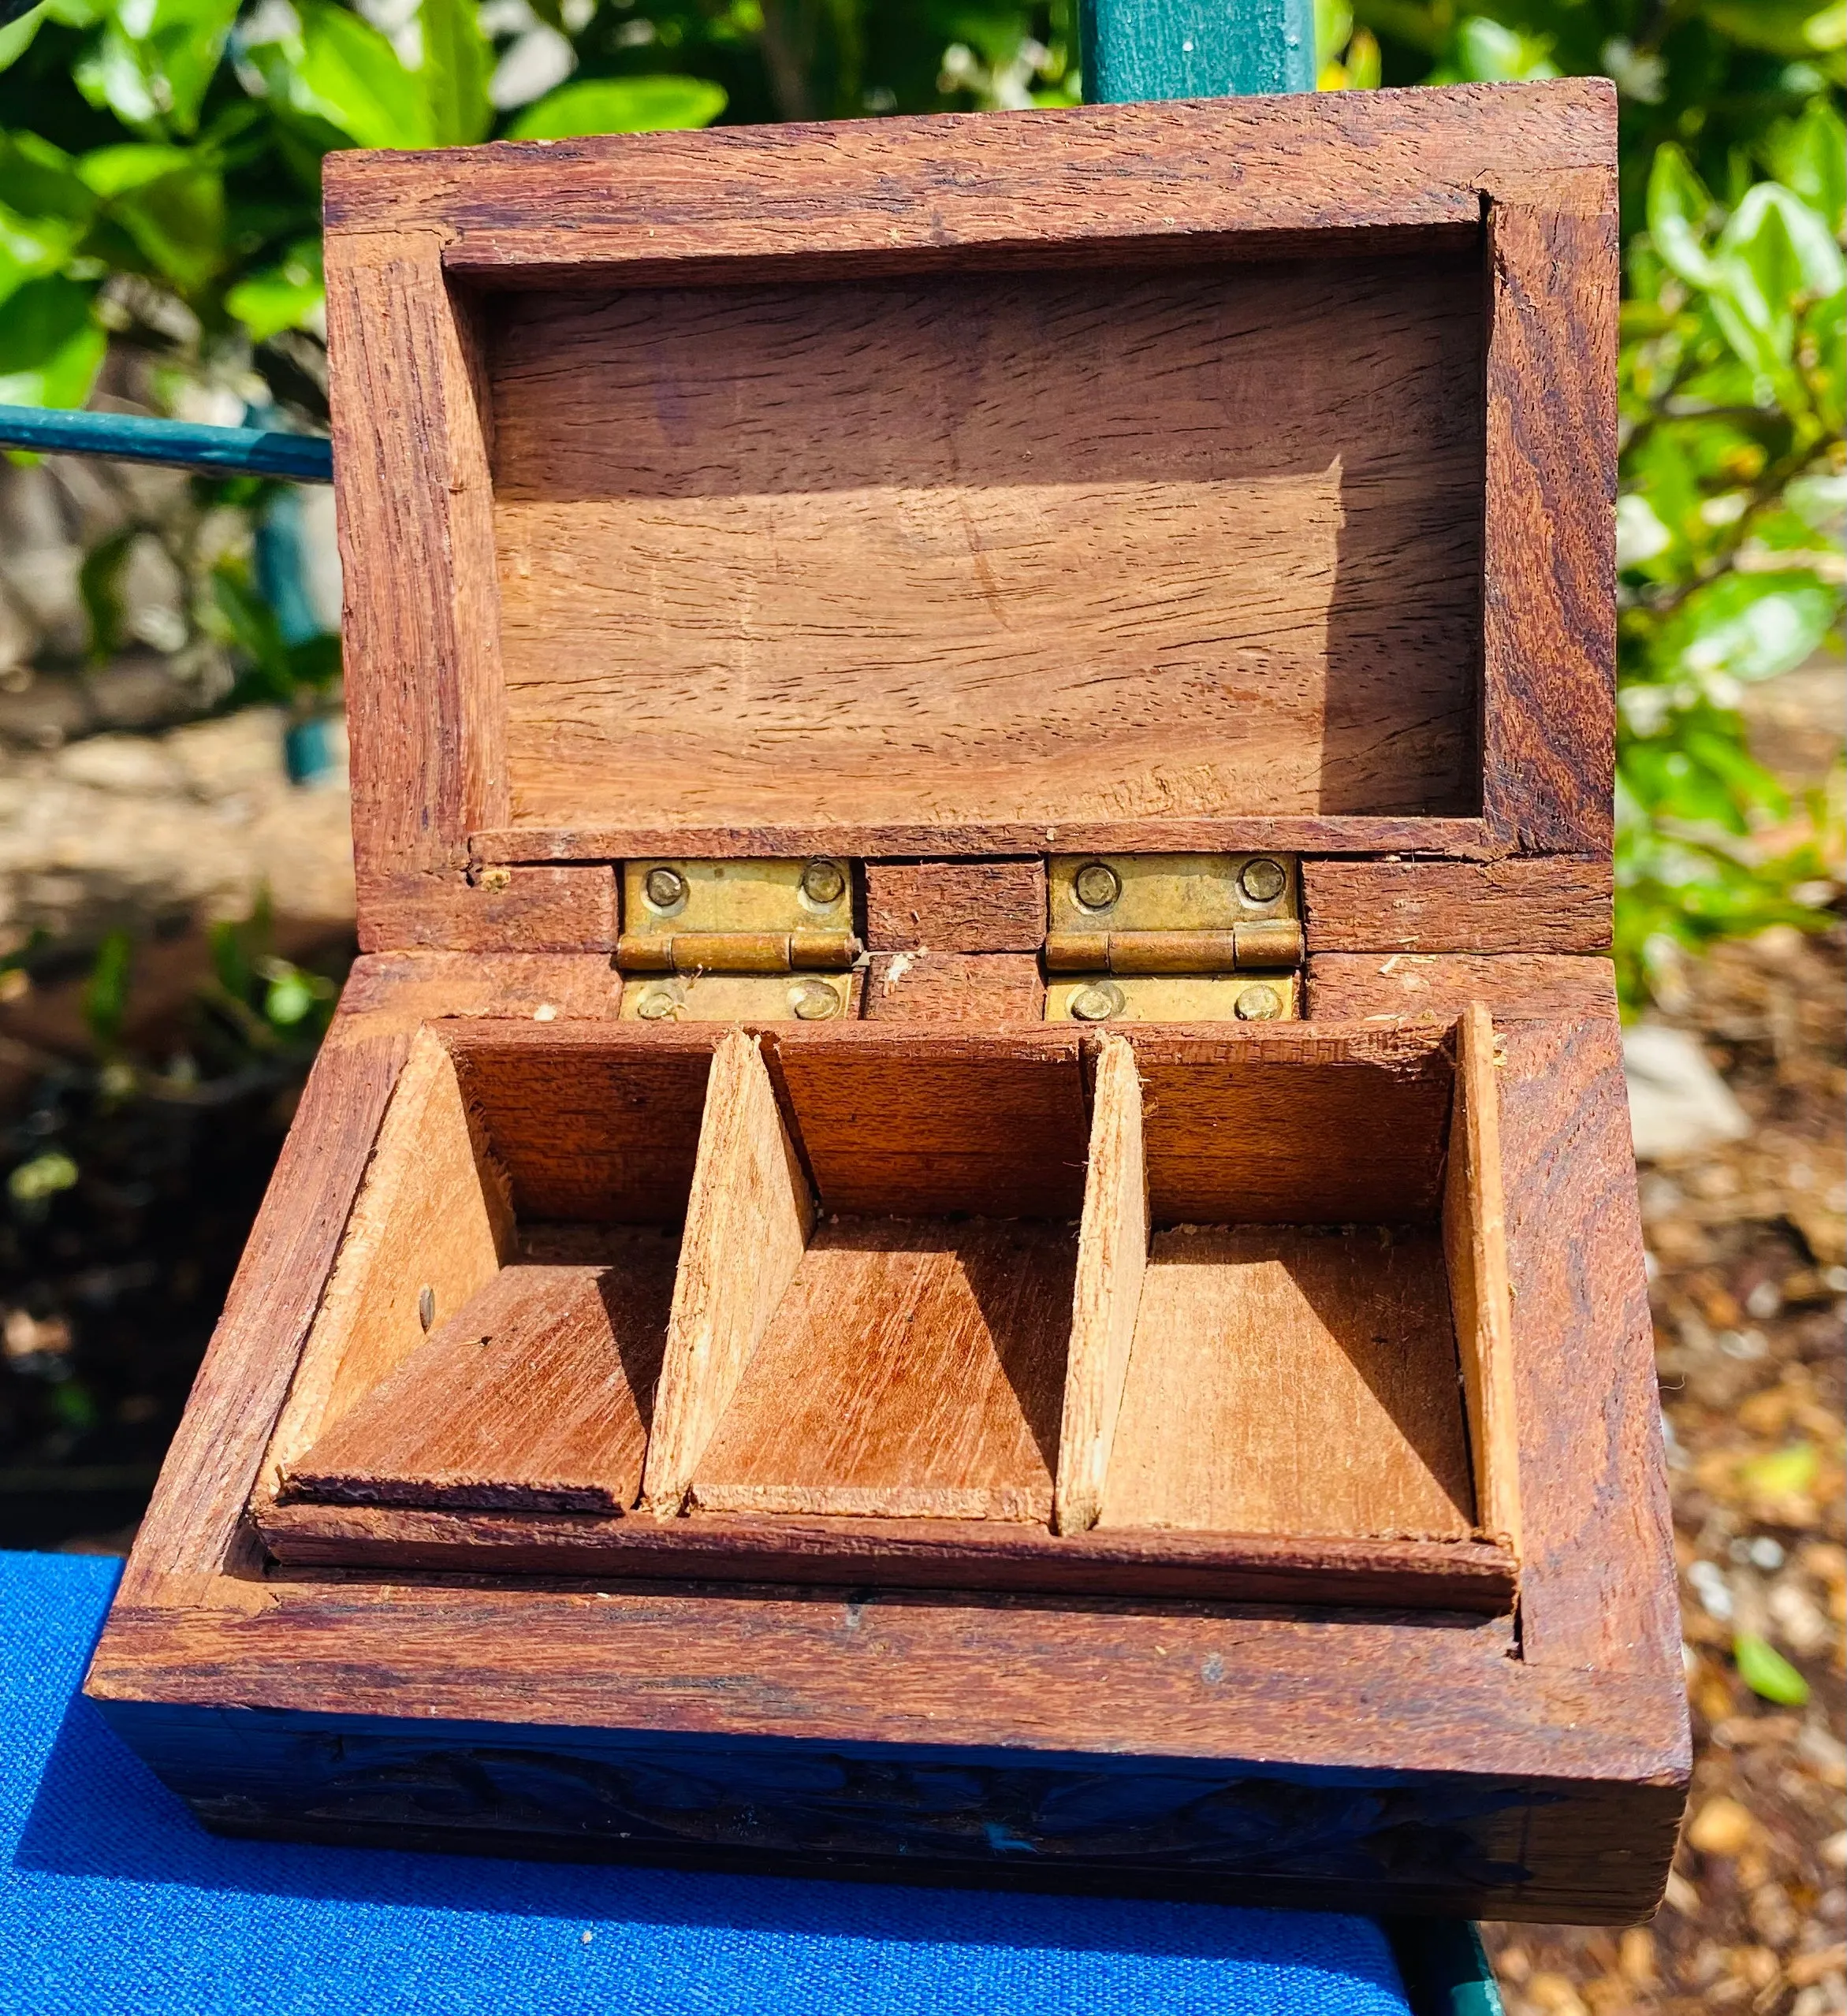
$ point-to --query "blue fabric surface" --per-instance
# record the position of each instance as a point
(113, 1901)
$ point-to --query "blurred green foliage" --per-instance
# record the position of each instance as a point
(159, 166)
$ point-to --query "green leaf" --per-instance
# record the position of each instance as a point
(1785, 1473)
(1750, 301)
(286, 295)
(178, 225)
(105, 992)
(1809, 155)
(16, 38)
(1766, 1672)
(1487, 52)
(99, 585)
(1826, 324)
(40, 182)
(1641, 535)
(1679, 207)
(115, 171)
(1749, 625)
(155, 61)
(350, 76)
(1334, 28)
(44, 1175)
(253, 627)
(1749, 233)
(1784, 28)
(50, 348)
(456, 62)
(619, 105)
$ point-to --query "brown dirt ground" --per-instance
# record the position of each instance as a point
(1748, 1246)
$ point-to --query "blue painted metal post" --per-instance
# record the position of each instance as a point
(217, 451)
(1134, 50)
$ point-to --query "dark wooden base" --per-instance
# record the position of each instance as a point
(1331, 1841)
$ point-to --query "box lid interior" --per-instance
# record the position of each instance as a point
(992, 550)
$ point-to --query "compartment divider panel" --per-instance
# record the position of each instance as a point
(1475, 1242)
(1112, 1257)
(434, 1212)
(748, 1221)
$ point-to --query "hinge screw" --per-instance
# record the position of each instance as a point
(656, 1005)
(1096, 886)
(823, 883)
(1262, 880)
(1098, 1001)
(427, 1307)
(664, 887)
(1258, 1004)
(813, 1001)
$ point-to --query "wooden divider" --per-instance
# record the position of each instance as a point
(1112, 1257)
(1475, 1245)
(436, 1214)
(747, 1224)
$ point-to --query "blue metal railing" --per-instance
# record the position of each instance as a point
(177, 444)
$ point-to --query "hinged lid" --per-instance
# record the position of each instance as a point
(920, 489)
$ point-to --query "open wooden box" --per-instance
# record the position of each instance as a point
(970, 1216)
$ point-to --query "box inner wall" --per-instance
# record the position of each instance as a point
(994, 547)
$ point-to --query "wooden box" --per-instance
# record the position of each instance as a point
(970, 1216)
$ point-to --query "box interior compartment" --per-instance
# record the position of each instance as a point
(1126, 1292)
(492, 1336)
(989, 548)
(913, 1363)
(1279, 1328)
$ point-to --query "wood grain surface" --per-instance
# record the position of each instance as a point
(1597, 1575)
(1544, 904)
(902, 1122)
(1112, 1259)
(955, 906)
(534, 1396)
(1440, 1755)
(1518, 987)
(748, 1220)
(1549, 625)
(1260, 1124)
(986, 990)
(192, 1546)
(1025, 548)
(592, 1124)
(534, 910)
(914, 1369)
(401, 991)
(1475, 1248)
(1291, 1382)
(420, 614)
(1545, 1790)
(1462, 1577)
(605, 839)
(434, 1219)
(1096, 184)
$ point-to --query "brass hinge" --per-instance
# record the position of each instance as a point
(737, 940)
(1170, 938)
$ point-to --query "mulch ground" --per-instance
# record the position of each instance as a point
(1749, 1247)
